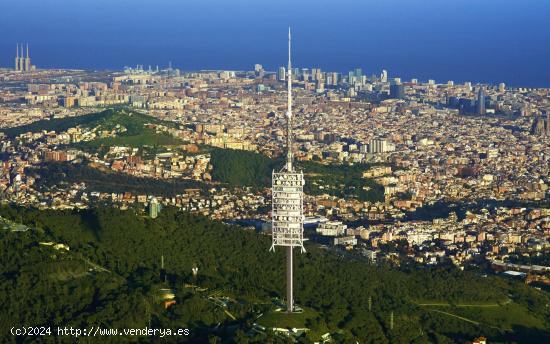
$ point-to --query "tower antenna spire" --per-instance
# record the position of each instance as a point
(27, 50)
(289, 109)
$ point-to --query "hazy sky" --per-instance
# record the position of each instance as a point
(477, 40)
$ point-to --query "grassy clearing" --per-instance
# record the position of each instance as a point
(504, 317)
(309, 319)
(283, 320)
(447, 304)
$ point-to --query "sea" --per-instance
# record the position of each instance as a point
(482, 41)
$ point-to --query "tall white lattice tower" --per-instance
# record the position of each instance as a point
(287, 200)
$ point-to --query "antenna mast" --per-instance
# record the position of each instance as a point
(289, 110)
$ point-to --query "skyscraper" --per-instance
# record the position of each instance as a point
(480, 104)
(281, 74)
(314, 74)
(334, 78)
(351, 77)
(305, 74)
(384, 76)
(287, 200)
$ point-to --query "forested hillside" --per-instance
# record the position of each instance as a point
(110, 277)
(242, 168)
(53, 174)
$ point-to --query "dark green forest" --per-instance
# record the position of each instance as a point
(58, 174)
(242, 168)
(110, 278)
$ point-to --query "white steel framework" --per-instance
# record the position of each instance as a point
(288, 209)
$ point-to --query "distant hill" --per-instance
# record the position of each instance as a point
(109, 118)
(110, 277)
(136, 133)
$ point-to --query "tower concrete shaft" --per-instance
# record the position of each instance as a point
(289, 280)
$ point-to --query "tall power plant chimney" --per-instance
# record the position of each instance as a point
(287, 194)
(27, 60)
(22, 59)
(17, 56)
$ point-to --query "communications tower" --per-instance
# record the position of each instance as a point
(287, 200)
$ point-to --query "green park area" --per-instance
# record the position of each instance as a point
(133, 129)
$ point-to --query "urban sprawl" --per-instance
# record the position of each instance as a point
(463, 169)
